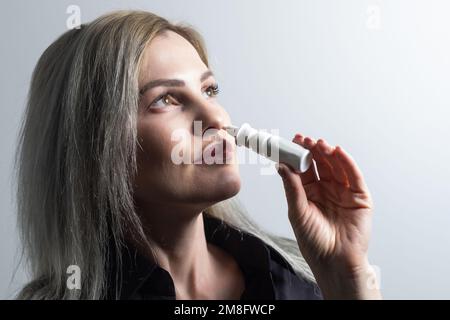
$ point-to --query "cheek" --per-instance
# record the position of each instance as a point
(155, 167)
(154, 136)
(150, 153)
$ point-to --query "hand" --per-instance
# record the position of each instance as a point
(331, 212)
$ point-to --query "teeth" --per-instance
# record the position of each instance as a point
(226, 152)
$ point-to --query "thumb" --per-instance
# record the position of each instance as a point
(293, 187)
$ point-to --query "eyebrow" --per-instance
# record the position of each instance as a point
(171, 82)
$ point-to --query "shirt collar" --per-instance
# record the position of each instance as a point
(140, 277)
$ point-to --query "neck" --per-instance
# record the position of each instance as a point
(179, 243)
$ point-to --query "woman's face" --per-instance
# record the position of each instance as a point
(168, 111)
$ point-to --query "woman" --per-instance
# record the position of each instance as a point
(97, 188)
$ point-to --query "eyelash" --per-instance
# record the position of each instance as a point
(214, 88)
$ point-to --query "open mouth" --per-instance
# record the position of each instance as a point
(218, 152)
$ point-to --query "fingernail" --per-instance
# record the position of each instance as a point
(309, 140)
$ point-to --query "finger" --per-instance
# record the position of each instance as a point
(338, 171)
(354, 174)
(323, 166)
(309, 175)
(293, 187)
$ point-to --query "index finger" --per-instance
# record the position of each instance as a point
(354, 174)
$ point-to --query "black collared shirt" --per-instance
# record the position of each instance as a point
(267, 274)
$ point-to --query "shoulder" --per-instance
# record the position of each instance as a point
(38, 289)
(289, 284)
(259, 259)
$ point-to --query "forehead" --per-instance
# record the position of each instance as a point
(169, 55)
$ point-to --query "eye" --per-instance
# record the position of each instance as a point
(168, 99)
(212, 90)
(165, 98)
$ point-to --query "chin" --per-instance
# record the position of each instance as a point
(226, 184)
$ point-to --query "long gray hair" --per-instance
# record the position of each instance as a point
(75, 160)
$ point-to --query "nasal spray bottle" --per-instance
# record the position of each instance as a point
(271, 146)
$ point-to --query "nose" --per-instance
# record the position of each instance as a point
(210, 116)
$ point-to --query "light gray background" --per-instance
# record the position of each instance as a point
(371, 76)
